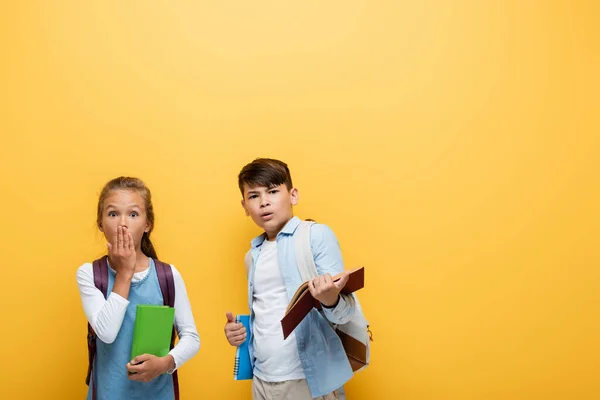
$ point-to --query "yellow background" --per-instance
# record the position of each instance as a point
(451, 145)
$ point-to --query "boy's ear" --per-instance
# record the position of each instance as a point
(294, 196)
(244, 207)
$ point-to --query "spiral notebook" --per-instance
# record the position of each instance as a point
(242, 368)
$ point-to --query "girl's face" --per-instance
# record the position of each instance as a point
(124, 208)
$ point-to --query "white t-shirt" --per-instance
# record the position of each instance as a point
(277, 360)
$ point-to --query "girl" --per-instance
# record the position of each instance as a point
(126, 217)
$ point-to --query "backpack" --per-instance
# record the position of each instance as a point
(354, 335)
(167, 287)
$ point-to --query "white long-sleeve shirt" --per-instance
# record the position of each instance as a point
(106, 315)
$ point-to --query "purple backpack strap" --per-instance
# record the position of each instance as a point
(100, 267)
(165, 279)
(167, 287)
(100, 271)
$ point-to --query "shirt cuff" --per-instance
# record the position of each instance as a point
(333, 306)
(171, 371)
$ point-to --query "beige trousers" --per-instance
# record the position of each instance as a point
(288, 390)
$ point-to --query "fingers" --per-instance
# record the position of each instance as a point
(126, 236)
(136, 373)
(137, 377)
(123, 242)
(340, 283)
(120, 238)
(138, 368)
(234, 330)
(325, 284)
(140, 359)
(237, 340)
(317, 282)
(311, 286)
(229, 316)
(320, 283)
(134, 368)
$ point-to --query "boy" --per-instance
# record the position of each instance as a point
(311, 362)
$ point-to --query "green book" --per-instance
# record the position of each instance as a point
(152, 330)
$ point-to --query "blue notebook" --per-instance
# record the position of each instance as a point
(242, 368)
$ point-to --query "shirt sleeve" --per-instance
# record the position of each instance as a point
(189, 340)
(104, 315)
(328, 260)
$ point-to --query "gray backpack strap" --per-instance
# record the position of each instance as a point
(303, 252)
(248, 261)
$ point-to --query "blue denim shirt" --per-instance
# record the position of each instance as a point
(322, 355)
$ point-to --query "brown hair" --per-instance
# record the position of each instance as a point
(265, 172)
(128, 183)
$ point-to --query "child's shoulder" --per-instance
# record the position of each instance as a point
(85, 272)
(320, 230)
(87, 266)
(322, 233)
(165, 263)
(176, 273)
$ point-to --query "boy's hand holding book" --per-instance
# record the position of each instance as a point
(234, 332)
(325, 290)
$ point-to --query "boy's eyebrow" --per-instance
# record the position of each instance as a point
(257, 190)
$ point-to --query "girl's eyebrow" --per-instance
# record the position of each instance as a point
(129, 206)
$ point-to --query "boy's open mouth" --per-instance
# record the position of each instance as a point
(266, 215)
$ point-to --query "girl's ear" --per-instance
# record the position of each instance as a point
(100, 228)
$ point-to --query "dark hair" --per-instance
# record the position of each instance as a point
(265, 172)
(128, 183)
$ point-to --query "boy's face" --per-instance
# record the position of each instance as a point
(124, 208)
(270, 208)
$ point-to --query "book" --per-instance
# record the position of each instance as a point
(241, 367)
(302, 301)
(152, 330)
